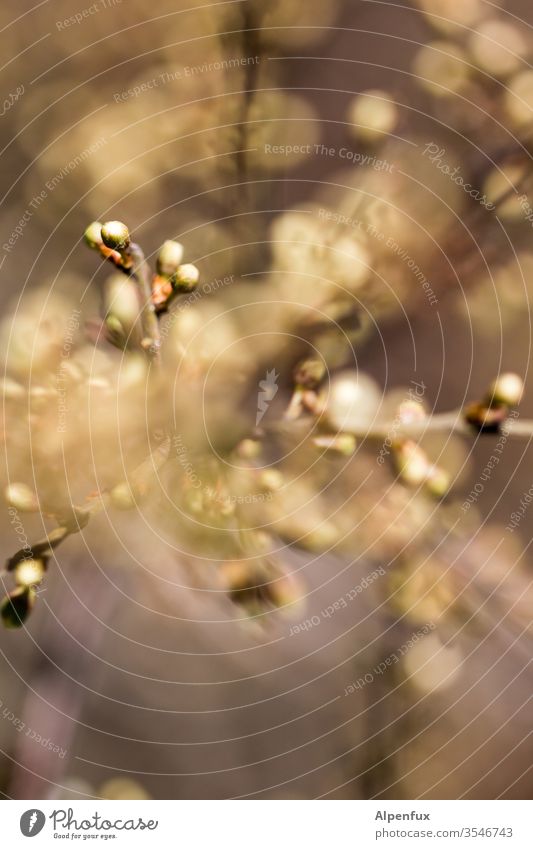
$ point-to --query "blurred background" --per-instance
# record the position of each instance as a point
(352, 180)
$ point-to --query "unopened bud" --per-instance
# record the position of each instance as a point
(249, 449)
(506, 390)
(438, 482)
(186, 278)
(169, 258)
(122, 497)
(115, 235)
(309, 373)
(28, 573)
(411, 411)
(271, 480)
(93, 234)
(122, 304)
(21, 497)
(17, 606)
(412, 463)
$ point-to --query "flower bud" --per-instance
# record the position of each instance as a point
(352, 402)
(115, 235)
(271, 480)
(122, 497)
(506, 390)
(17, 606)
(122, 303)
(438, 481)
(93, 234)
(309, 373)
(21, 497)
(372, 115)
(411, 411)
(186, 278)
(412, 463)
(249, 449)
(169, 258)
(29, 572)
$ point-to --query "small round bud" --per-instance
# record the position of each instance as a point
(21, 497)
(17, 606)
(309, 373)
(271, 480)
(442, 68)
(372, 115)
(115, 330)
(93, 234)
(122, 496)
(506, 390)
(498, 47)
(411, 411)
(352, 401)
(249, 449)
(29, 572)
(121, 299)
(115, 235)
(169, 258)
(412, 463)
(186, 278)
(438, 482)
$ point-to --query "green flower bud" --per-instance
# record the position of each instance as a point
(169, 258)
(122, 304)
(123, 497)
(21, 497)
(27, 573)
(309, 373)
(438, 482)
(17, 606)
(249, 449)
(506, 390)
(271, 480)
(412, 463)
(186, 278)
(93, 234)
(115, 235)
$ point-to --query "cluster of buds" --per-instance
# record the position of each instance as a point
(415, 468)
(151, 294)
(112, 241)
(258, 587)
(172, 277)
(489, 414)
(308, 376)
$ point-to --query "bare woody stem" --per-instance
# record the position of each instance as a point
(149, 322)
